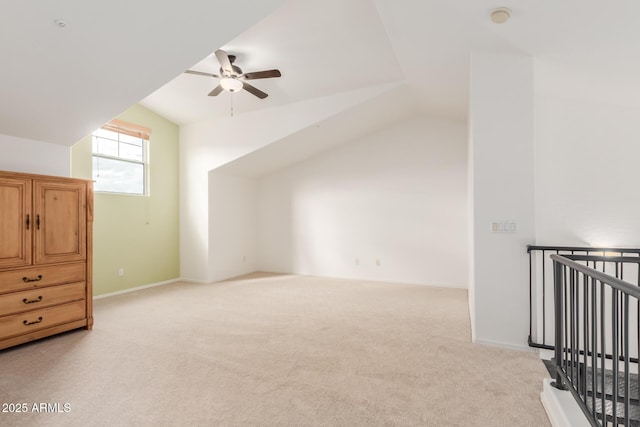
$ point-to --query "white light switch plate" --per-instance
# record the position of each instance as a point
(502, 227)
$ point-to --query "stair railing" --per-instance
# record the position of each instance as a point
(597, 338)
(541, 316)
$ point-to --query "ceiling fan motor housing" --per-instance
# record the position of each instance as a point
(236, 72)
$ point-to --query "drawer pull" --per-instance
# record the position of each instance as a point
(27, 323)
(26, 301)
(37, 279)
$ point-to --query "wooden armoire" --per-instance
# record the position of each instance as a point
(46, 228)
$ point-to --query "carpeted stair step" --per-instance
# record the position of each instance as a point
(634, 412)
(609, 375)
(634, 393)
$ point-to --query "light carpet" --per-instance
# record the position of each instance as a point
(274, 350)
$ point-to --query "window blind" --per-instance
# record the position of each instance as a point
(130, 129)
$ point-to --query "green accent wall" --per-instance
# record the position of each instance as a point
(139, 234)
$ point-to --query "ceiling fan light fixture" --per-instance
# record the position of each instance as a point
(231, 84)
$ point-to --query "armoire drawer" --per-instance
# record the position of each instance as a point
(34, 299)
(29, 321)
(38, 277)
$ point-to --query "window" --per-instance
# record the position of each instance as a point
(120, 158)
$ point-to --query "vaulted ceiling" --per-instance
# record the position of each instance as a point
(59, 83)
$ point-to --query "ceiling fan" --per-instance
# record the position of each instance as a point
(233, 79)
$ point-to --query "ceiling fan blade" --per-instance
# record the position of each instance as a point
(262, 74)
(253, 90)
(200, 73)
(216, 91)
(224, 61)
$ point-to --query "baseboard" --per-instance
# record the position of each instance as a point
(137, 288)
(203, 282)
(508, 346)
(561, 407)
(379, 280)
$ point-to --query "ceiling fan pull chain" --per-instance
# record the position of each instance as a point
(231, 104)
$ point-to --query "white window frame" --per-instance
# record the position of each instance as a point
(119, 127)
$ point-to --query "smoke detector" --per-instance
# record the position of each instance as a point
(500, 15)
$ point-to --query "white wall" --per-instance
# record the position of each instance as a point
(587, 159)
(502, 145)
(397, 196)
(207, 145)
(232, 225)
(194, 209)
(29, 156)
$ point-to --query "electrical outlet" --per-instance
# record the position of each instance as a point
(121, 272)
(378, 262)
(357, 261)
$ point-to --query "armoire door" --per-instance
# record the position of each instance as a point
(15, 222)
(60, 221)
